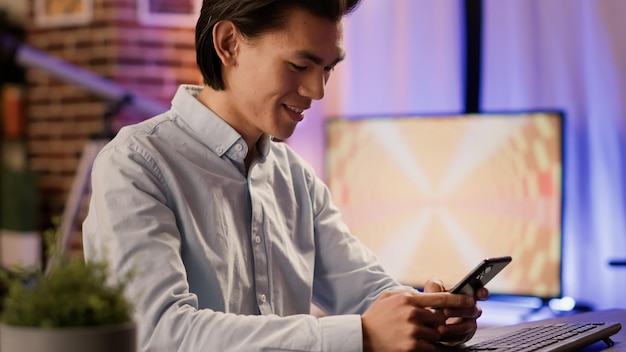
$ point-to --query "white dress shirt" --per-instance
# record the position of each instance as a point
(225, 262)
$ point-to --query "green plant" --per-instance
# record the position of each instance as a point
(70, 293)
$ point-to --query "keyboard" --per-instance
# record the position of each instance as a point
(549, 337)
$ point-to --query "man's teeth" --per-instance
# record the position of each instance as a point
(294, 109)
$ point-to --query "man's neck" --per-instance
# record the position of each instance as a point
(217, 101)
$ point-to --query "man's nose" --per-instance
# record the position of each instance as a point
(313, 86)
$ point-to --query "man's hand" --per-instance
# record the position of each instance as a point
(404, 320)
(460, 323)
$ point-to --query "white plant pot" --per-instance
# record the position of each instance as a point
(118, 338)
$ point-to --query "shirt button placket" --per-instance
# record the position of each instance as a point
(261, 274)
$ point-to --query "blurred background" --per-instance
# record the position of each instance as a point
(412, 57)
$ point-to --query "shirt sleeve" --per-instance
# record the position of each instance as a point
(130, 224)
(348, 276)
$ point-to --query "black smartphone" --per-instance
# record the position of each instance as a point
(480, 275)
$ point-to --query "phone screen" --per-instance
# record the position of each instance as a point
(486, 270)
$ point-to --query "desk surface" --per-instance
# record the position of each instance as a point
(613, 315)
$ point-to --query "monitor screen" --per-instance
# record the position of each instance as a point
(431, 196)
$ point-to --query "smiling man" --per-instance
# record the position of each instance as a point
(232, 236)
(270, 79)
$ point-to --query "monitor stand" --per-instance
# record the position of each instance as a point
(617, 262)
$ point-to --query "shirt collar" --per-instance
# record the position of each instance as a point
(214, 132)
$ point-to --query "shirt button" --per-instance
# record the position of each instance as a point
(238, 147)
(262, 298)
(219, 149)
(257, 239)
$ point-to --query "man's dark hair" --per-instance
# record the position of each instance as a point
(253, 18)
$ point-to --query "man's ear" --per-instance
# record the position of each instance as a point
(225, 40)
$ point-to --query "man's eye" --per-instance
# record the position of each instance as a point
(298, 68)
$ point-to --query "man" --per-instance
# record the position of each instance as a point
(232, 235)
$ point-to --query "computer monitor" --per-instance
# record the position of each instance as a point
(433, 195)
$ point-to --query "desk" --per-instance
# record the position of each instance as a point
(613, 315)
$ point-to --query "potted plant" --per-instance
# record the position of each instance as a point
(72, 306)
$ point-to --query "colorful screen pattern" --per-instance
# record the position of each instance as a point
(432, 196)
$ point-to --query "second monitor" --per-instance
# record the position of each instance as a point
(433, 195)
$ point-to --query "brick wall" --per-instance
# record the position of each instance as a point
(60, 116)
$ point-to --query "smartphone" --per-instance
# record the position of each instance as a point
(480, 275)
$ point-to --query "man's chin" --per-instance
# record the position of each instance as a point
(282, 136)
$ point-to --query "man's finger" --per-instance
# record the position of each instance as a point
(441, 300)
(434, 285)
